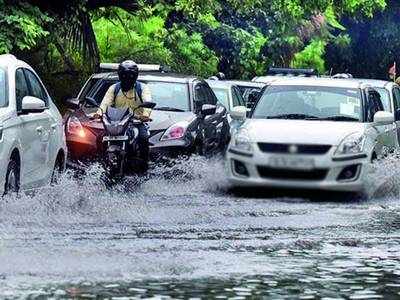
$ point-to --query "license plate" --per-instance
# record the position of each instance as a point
(294, 163)
(114, 138)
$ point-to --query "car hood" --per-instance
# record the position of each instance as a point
(162, 120)
(301, 131)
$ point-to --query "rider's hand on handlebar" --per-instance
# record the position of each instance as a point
(96, 116)
(144, 118)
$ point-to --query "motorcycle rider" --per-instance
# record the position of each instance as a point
(130, 93)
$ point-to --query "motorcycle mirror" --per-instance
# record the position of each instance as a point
(91, 101)
(149, 105)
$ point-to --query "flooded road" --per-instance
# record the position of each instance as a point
(181, 234)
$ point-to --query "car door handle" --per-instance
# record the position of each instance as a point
(39, 129)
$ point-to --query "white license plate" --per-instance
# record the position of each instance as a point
(114, 138)
(294, 163)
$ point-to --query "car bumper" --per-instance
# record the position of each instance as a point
(322, 176)
(170, 149)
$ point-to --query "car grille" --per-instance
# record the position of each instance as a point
(309, 175)
(294, 148)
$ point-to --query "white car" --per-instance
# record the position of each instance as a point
(311, 133)
(32, 139)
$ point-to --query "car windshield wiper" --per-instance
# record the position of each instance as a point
(293, 117)
(340, 118)
(167, 108)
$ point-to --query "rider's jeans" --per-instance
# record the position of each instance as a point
(143, 138)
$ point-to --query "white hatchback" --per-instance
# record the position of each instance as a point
(32, 139)
(311, 133)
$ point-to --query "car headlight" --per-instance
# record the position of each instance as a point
(175, 132)
(352, 144)
(241, 141)
(74, 127)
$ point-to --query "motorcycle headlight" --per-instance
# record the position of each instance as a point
(241, 142)
(175, 132)
(352, 144)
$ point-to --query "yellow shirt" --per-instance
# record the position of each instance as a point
(128, 99)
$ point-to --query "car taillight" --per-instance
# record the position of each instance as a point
(175, 132)
(74, 126)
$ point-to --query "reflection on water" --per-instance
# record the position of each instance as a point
(178, 233)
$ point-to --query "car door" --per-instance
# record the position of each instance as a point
(237, 98)
(396, 108)
(216, 124)
(50, 121)
(386, 137)
(34, 133)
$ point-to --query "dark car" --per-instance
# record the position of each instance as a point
(228, 94)
(187, 119)
(249, 90)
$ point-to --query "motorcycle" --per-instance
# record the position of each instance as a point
(120, 149)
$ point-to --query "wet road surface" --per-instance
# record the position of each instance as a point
(183, 235)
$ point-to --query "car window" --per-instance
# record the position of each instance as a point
(200, 96)
(237, 98)
(36, 88)
(396, 96)
(385, 98)
(210, 96)
(374, 104)
(21, 88)
(222, 96)
(87, 88)
(170, 95)
(100, 89)
(309, 101)
(3, 88)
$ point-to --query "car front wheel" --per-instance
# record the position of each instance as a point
(12, 184)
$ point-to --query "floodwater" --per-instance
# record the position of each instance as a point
(181, 234)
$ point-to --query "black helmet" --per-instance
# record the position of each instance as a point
(128, 73)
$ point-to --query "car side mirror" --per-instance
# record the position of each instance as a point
(149, 105)
(208, 109)
(239, 113)
(383, 118)
(91, 101)
(72, 103)
(32, 105)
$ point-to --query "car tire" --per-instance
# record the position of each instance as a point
(12, 184)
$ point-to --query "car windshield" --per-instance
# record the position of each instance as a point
(170, 95)
(309, 102)
(3, 88)
(222, 96)
(385, 98)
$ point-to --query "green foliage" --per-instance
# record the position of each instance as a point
(21, 27)
(311, 56)
(148, 41)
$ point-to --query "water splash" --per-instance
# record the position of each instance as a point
(383, 177)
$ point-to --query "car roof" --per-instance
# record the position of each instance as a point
(220, 84)
(318, 81)
(7, 60)
(152, 76)
(246, 83)
(376, 82)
